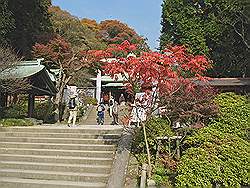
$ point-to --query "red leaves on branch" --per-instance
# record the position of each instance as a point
(174, 74)
(58, 53)
(164, 69)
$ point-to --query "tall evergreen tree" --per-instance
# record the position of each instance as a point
(6, 21)
(220, 29)
(31, 19)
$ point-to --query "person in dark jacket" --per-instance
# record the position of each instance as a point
(72, 106)
(100, 113)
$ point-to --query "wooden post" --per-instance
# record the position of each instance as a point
(169, 146)
(98, 86)
(143, 175)
(178, 153)
(158, 151)
(31, 105)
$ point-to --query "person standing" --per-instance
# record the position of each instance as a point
(115, 110)
(111, 105)
(122, 100)
(100, 113)
(72, 106)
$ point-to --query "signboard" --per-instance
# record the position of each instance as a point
(138, 113)
(71, 90)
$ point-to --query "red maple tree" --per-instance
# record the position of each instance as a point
(175, 76)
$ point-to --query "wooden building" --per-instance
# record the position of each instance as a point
(42, 82)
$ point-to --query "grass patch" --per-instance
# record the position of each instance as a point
(15, 122)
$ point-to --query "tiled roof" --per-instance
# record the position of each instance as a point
(24, 70)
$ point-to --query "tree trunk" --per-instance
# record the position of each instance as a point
(148, 152)
(59, 96)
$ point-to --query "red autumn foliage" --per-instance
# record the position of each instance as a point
(175, 74)
(154, 67)
(58, 53)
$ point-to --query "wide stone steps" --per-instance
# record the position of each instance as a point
(59, 135)
(57, 159)
(58, 140)
(95, 147)
(10, 182)
(55, 167)
(90, 129)
(51, 152)
(54, 175)
(57, 156)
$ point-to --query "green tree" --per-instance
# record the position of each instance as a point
(6, 21)
(219, 29)
(31, 20)
(71, 28)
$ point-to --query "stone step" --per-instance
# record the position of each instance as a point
(61, 167)
(58, 140)
(60, 135)
(8, 182)
(53, 152)
(89, 147)
(54, 175)
(91, 129)
(57, 156)
(57, 159)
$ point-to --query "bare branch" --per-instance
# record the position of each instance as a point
(8, 81)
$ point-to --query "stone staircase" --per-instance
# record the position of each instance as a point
(91, 120)
(57, 156)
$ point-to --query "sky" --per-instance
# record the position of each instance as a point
(144, 16)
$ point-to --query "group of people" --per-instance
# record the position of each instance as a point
(113, 109)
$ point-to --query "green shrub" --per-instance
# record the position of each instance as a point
(44, 111)
(160, 175)
(90, 100)
(214, 158)
(234, 115)
(156, 127)
(15, 122)
(81, 111)
(15, 111)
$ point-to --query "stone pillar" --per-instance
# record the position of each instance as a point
(31, 105)
(98, 86)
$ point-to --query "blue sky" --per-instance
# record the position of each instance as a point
(144, 16)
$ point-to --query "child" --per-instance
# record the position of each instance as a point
(100, 114)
